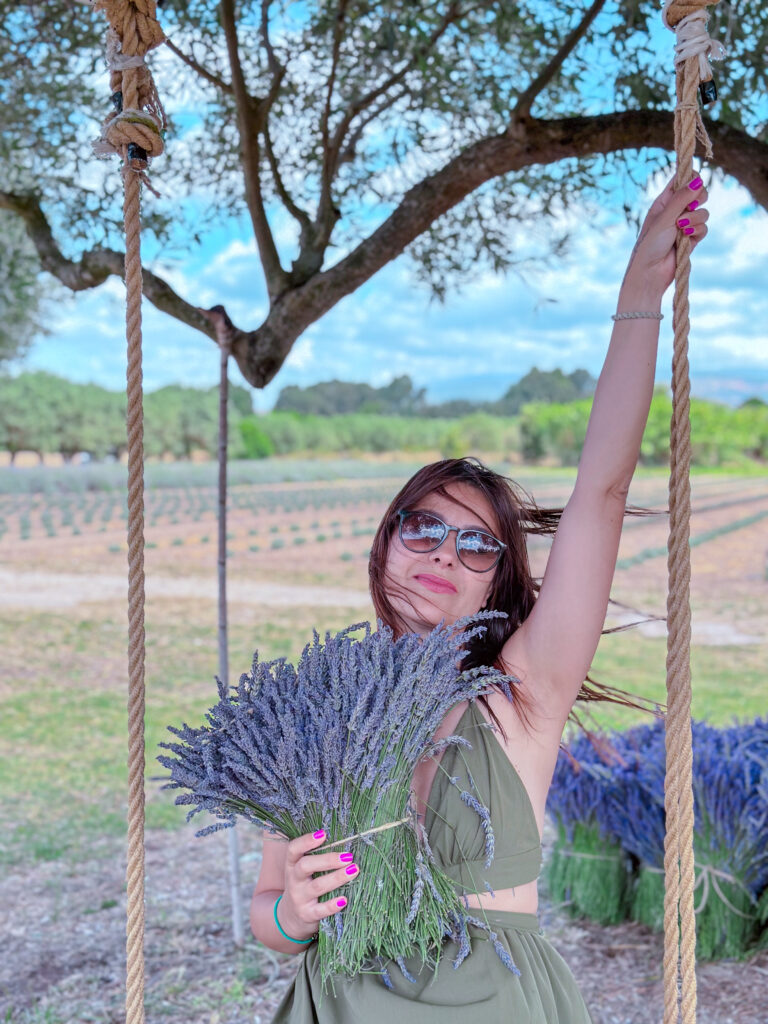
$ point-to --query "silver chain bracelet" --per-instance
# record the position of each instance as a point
(637, 316)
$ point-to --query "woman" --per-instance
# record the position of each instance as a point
(452, 543)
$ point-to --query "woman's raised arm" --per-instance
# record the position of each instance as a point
(556, 644)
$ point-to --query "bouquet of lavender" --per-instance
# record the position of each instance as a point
(333, 744)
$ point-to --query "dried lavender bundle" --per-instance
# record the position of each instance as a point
(620, 802)
(333, 744)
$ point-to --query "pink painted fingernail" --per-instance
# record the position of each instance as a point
(683, 222)
(352, 869)
(695, 185)
(320, 834)
(687, 231)
(693, 205)
(341, 902)
(346, 857)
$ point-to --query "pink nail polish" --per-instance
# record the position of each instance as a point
(687, 231)
(695, 185)
(346, 857)
(341, 902)
(683, 222)
(320, 834)
(693, 205)
(352, 869)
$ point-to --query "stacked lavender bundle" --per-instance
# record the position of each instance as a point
(333, 744)
(730, 791)
(587, 870)
(615, 797)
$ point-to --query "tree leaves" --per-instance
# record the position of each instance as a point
(351, 105)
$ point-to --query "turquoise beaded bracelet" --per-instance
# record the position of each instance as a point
(302, 941)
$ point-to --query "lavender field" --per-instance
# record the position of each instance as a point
(298, 559)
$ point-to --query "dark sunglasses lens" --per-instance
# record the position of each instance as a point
(478, 551)
(421, 532)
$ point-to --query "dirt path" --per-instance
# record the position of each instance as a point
(56, 590)
(63, 948)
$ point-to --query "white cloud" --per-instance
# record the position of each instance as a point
(302, 354)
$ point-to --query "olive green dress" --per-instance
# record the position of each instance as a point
(482, 987)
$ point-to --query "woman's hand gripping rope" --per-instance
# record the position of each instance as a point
(674, 212)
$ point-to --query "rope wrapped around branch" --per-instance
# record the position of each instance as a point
(138, 119)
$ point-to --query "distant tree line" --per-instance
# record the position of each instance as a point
(43, 413)
(40, 412)
(401, 398)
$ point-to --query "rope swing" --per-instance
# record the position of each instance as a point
(134, 130)
(688, 19)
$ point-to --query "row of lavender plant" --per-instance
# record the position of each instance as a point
(607, 798)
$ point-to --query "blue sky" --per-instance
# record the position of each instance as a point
(475, 345)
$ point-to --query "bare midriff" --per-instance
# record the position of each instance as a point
(523, 899)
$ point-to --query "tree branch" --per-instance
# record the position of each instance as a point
(296, 211)
(348, 152)
(96, 266)
(315, 243)
(338, 35)
(452, 14)
(199, 69)
(525, 102)
(249, 119)
(261, 354)
(277, 70)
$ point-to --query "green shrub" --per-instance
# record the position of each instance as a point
(554, 429)
(257, 444)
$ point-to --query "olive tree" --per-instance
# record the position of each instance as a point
(375, 127)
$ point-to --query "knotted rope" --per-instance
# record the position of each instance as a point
(134, 131)
(688, 18)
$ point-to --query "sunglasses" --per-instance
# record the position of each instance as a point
(421, 532)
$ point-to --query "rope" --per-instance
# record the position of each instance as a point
(679, 917)
(135, 133)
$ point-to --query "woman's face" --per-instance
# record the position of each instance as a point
(425, 588)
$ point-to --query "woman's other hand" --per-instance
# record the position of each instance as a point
(652, 263)
(301, 908)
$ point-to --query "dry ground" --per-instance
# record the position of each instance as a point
(64, 948)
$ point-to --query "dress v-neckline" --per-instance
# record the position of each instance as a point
(440, 775)
(455, 732)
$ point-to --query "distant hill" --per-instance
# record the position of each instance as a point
(731, 387)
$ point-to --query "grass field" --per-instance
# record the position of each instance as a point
(298, 546)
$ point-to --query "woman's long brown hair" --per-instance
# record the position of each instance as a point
(514, 589)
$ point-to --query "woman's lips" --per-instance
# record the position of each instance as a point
(435, 583)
